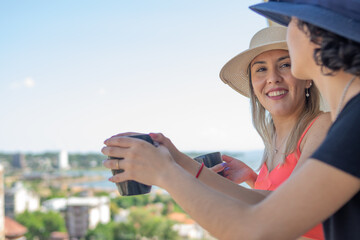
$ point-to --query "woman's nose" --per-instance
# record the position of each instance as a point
(274, 77)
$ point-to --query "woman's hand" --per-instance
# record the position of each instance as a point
(141, 161)
(175, 153)
(236, 171)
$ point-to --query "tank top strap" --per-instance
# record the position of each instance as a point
(303, 135)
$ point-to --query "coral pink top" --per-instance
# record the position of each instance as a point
(271, 180)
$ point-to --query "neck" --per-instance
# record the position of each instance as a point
(332, 89)
(283, 125)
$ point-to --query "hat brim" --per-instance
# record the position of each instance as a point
(234, 73)
(281, 12)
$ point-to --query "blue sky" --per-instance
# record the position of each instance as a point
(73, 73)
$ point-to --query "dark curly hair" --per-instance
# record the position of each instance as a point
(334, 52)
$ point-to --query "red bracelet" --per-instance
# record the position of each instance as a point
(200, 169)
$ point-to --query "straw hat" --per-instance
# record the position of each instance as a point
(235, 74)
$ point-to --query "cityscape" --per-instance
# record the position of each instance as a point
(74, 73)
(59, 196)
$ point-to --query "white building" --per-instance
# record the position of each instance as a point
(122, 216)
(191, 231)
(18, 199)
(63, 160)
(98, 209)
(82, 213)
(54, 204)
(187, 228)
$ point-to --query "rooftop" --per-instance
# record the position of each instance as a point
(13, 228)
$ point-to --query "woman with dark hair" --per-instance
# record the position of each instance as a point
(326, 48)
(324, 45)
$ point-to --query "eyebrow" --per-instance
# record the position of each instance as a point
(282, 58)
(258, 62)
(263, 62)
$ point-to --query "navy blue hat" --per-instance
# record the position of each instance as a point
(341, 17)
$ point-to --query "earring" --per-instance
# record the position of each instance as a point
(307, 93)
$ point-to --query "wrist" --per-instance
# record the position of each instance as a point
(200, 170)
(252, 179)
(253, 176)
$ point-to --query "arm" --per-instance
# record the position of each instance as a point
(208, 177)
(298, 204)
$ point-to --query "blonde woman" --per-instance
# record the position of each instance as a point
(285, 112)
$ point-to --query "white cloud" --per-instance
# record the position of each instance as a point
(102, 91)
(26, 83)
(29, 82)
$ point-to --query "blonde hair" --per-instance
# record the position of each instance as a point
(264, 125)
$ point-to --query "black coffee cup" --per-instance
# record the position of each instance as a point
(210, 160)
(131, 187)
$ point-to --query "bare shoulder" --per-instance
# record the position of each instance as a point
(321, 125)
(324, 118)
(314, 137)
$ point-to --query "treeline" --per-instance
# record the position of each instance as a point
(145, 220)
(76, 160)
(34, 160)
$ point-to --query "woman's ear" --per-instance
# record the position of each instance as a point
(309, 83)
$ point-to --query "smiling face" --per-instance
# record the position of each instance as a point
(274, 86)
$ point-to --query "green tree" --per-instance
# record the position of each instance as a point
(112, 231)
(125, 231)
(150, 225)
(130, 201)
(101, 232)
(34, 226)
(41, 224)
(114, 209)
(141, 223)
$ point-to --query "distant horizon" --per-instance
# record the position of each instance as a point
(94, 152)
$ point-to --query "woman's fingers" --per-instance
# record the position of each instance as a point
(124, 142)
(227, 158)
(218, 168)
(113, 163)
(116, 141)
(141, 161)
(117, 152)
(127, 134)
(119, 147)
(120, 177)
(160, 138)
(117, 164)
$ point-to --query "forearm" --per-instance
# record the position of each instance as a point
(218, 182)
(298, 204)
(216, 212)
